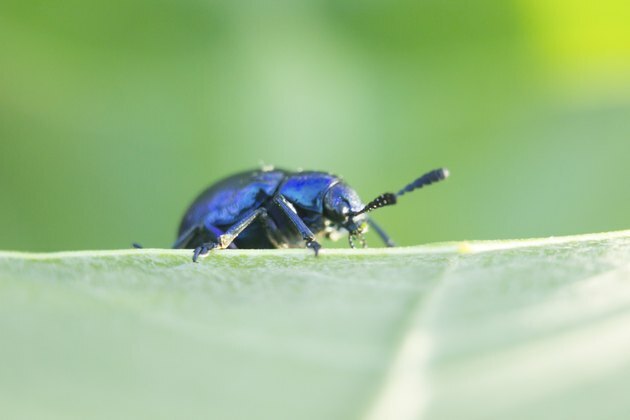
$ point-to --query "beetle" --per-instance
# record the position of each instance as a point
(275, 208)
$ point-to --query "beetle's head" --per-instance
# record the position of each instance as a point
(341, 205)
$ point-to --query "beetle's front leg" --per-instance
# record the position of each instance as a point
(379, 230)
(299, 224)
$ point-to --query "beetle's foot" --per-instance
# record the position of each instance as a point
(314, 245)
(203, 250)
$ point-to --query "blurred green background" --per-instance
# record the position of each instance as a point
(115, 114)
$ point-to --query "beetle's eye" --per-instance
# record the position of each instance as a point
(345, 209)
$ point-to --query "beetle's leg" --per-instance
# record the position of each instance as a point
(225, 240)
(274, 234)
(306, 233)
(185, 237)
(203, 250)
(384, 236)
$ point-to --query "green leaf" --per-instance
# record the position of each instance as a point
(479, 330)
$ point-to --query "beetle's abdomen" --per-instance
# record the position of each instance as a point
(225, 202)
(305, 190)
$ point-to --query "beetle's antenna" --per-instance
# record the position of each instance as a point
(426, 179)
(385, 199)
(389, 199)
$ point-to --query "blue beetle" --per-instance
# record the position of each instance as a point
(274, 208)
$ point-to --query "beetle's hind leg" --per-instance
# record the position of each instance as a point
(199, 234)
(184, 239)
(226, 239)
(203, 250)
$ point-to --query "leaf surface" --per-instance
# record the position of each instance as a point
(478, 330)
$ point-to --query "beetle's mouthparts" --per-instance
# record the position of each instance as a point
(353, 236)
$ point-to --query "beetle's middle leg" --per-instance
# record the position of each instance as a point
(306, 233)
(274, 234)
(225, 240)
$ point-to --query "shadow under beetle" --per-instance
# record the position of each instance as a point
(274, 208)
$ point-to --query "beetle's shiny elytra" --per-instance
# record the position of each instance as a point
(281, 209)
